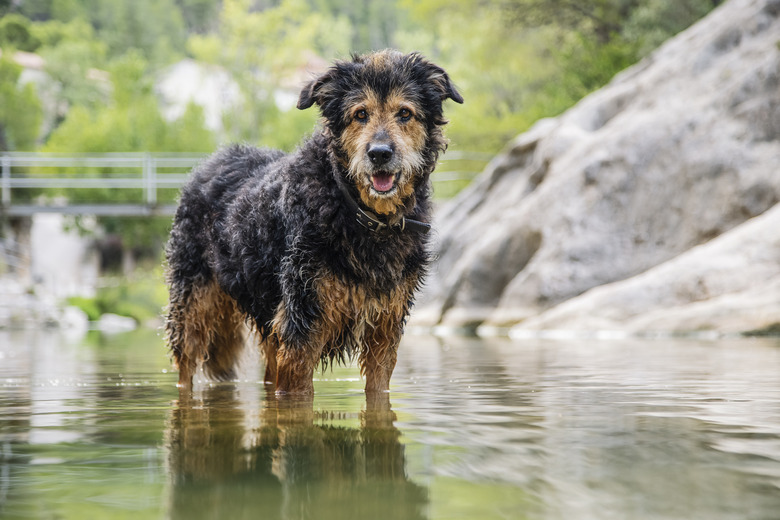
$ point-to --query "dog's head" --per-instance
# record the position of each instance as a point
(384, 114)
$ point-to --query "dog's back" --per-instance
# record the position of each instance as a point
(200, 314)
(204, 200)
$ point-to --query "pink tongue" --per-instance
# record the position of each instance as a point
(382, 181)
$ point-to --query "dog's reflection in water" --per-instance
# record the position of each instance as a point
(232, 457)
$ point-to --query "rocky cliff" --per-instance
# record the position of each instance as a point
(650, 206)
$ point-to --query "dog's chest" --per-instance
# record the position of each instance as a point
(374, 266)
(352, 305)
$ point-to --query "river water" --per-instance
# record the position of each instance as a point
(94, 427)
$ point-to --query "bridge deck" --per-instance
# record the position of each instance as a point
(129, 184)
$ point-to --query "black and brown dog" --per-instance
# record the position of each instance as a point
(320, 250)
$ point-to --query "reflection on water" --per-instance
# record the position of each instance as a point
(95, 428)
(286, 461)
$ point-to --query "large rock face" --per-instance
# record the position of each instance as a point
(647, 206)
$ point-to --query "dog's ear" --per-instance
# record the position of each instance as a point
(439, 77)
(314, 91)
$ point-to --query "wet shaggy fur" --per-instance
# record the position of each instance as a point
(269, 239)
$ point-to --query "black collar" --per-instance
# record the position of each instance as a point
(372, 222)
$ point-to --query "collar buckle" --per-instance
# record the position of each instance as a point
(373, 223)
(368, 222)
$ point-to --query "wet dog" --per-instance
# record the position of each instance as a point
(321, 250)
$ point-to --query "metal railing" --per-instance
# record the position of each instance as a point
(37, 183)
(52, 175)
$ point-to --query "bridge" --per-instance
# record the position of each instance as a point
(129, 183)
(139, 184)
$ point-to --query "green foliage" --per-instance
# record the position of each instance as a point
(199, 15)
(153, 27)
(63, 10)
(515, 61)
(73, 76)
(20, 109)
(53, 32)
(136, 126)
(34, 9)
(141, 297)
(90, 306)
(66, 10)
(597, 19)
(374, 24)
(534, 58)
(589, 65)
(265, 51)
(15, 33)
(129, 122)
(502, 75)
(654, 21)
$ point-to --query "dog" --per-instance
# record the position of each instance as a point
(320, 251)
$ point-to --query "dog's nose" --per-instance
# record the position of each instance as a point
(380, 154)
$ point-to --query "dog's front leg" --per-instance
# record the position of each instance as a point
(298, 349)
(380, 352)
(295, 368)
(270, 347)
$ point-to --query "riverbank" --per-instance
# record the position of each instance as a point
(22, 307)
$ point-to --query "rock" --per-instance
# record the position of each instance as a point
(676, 151)
(74, 319)
(208, 86)
(115, 324)
(21, 308)
(731, 284)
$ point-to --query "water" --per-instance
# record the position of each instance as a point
(95, 428)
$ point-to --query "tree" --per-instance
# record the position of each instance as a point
(519, 60)
(15, 33)
(502, 70)
(74, 74)
(266, 51)
(20, 109)
(654, 21)
(199, 15)
(20, 122)
(130, 122)
(154, 27)
(374, 24)
(600, 19)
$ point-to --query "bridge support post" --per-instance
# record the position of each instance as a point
(5, 181)
(150, 180)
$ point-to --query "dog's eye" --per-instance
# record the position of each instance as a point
(405, 114)
(361, 115)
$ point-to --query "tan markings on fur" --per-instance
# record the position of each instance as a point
(382, 59)
(407, 138)
(374, 323)
(210, 329)
(269, 348)
(294, 363)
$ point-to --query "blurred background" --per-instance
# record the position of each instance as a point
(610, 201)
(174, 79)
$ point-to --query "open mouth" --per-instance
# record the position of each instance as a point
(383, 182)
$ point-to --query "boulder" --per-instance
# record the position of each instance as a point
(677, 151)
(731, 284)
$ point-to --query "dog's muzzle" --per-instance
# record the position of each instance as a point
(382, 178)
(380, 154)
